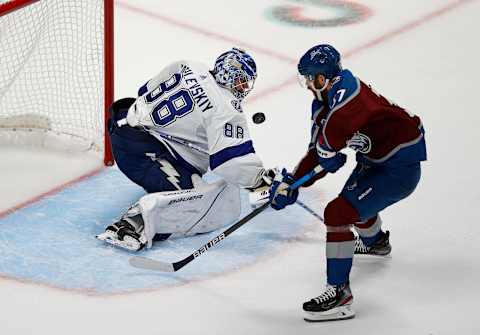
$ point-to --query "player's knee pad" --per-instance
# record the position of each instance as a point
(341, 214)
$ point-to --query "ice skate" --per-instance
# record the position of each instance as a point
(380, 248)
(333, 304)
(126, 233)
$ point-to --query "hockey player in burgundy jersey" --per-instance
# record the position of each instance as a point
(389, 144)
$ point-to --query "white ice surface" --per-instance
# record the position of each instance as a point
(429, 286)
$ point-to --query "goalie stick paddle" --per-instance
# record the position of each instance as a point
(152, 264)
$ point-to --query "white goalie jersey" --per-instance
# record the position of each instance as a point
(184, 108)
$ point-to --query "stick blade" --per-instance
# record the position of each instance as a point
(150, 264)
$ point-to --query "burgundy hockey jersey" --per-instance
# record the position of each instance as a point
(356, 116)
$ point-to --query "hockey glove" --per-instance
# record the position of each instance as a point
(329, 160)
(259, 194)
(264, 179)
(280, 194)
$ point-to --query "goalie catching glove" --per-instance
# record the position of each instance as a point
(261, 192)
(265, 178)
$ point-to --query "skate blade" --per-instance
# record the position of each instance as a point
(111, 239)
(338, 313)
(373, 255)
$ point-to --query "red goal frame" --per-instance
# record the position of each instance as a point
(14, 5)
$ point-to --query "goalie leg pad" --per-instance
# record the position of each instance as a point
(202, 209)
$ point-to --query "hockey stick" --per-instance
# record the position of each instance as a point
(151, 264)
(308, 209)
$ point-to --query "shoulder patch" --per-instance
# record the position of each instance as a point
(237, 105)
(344, 88)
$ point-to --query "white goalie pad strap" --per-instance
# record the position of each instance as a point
(188, 212)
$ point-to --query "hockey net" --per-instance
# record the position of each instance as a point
(56, 73)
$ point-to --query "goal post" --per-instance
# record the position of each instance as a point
(56, 73)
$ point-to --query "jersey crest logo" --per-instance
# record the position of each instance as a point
(360, 142)
(237, 105)
(317, 52)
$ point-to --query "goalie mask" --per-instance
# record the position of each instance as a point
(236, 71)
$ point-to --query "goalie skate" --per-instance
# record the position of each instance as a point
(126, 233)
(128, 242)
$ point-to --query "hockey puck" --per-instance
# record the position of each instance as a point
(258, 118)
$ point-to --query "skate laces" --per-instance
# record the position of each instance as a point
(359, 246)
(330, 293)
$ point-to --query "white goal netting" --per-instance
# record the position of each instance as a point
(52, 74)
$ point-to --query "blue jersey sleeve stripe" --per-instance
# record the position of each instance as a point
(226, 154)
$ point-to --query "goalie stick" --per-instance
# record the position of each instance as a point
(152, 264)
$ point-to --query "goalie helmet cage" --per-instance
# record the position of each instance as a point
(56, 73)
